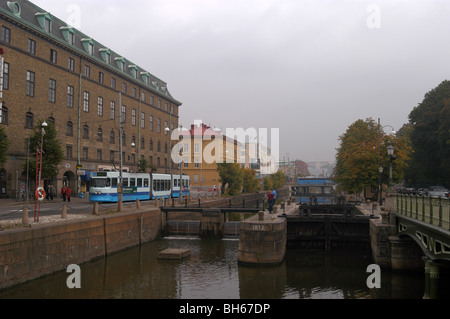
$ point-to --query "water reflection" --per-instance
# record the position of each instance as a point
(212, 272)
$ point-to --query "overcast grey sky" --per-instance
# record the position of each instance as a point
(308, 67)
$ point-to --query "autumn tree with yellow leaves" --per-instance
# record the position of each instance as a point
(362, 148)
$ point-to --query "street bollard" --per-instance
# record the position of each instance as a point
(138, 204)
(25, 216)
(261, 216)
(120, 206)
(95, 209)
(64, 212)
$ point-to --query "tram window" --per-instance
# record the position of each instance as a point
(315, 190)
(328, 190)
(108, 182)
(125, 182)
(132, 182)
(167, 184)
(114, 182)
(99, 182)
(146, 182)
(139, 182)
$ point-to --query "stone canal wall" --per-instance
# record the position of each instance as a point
(27, 254)
(30, 253)
(262, 240)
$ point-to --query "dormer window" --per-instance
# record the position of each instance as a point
(91, 49)
(48, 25)
(15, 8)
(68, 34)
(120, 63)
(146, 77)
(88, 45)
(45, 21)
(133, 70)
(105, 54)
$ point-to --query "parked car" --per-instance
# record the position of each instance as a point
(437, 191)
(421, 191)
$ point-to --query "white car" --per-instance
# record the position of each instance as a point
(437, 191)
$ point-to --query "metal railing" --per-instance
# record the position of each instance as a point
(433, 211)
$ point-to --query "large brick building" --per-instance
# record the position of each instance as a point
(53, 72)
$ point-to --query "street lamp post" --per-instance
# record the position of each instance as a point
(120, 182)
(38, 199)
(380, 167)
(181, 167)
(390, 152)
(169, 162)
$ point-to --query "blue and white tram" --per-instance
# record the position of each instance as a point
(104, 186)
(142, 186)
(161, 186)
(180, 186)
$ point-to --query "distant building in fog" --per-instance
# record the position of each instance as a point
(320, 169)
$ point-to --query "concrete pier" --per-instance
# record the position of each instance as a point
(262, 238)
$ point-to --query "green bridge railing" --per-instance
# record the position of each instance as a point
(434, 211)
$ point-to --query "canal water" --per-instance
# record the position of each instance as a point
(212, 272)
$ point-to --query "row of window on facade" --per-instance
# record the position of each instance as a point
(88, 45)
(5, 37)
(113, 157)
(86, 102)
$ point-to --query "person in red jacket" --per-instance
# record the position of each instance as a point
(64, 193)
(69, 193)
(271, 201)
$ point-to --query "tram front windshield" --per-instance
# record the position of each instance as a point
(100, 182)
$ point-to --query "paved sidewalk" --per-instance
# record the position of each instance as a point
(13, 202)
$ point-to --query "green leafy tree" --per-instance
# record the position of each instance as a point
(4, 145)
(143, 165)
(52, 155)
(430, 138)
(279, 180)
(268, 183)
(231, 174)
(357, 158)
(251, 183)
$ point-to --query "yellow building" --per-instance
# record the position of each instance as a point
(202, 148)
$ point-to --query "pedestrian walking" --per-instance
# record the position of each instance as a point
(52, 192)
(271, 201)
(64, 193)
(68, 193)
